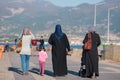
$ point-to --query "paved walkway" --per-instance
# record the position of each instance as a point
(10, 69)
(5, 74)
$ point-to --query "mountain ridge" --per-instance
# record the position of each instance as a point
(41, 15)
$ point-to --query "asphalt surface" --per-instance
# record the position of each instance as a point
(10, 69)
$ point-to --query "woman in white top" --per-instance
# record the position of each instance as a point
(25, 53)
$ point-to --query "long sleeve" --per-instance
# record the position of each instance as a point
(67, 43)
(85, 39)
(32, 36)
(50, 40)
(99, 41)
(46, 56)
(20, 36)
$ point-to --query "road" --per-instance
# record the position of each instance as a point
(108, 71)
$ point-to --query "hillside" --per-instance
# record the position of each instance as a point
(41, 15)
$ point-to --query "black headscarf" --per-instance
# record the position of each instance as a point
(58, 32)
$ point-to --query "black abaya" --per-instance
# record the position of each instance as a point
(59, 53)
(92, 55)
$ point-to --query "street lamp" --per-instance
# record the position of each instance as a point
(95, 12)
(108, 37)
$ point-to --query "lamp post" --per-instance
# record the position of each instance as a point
(95, 12)
(108, 29)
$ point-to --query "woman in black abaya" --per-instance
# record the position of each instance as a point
(60, 46)
(92, 66)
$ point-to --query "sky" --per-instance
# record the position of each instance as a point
(72, 3)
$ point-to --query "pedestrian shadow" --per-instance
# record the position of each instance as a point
(73, 72)
(34, 70)
(37, 71)
(49, 73)
(15, 70)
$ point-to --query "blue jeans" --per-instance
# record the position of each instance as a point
(25, 62)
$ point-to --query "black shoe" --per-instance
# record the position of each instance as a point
(89, 76)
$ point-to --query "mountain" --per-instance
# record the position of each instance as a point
(40, 15)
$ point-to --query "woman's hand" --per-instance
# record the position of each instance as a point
(70, 52)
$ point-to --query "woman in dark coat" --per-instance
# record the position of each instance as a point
(60, 46)
(41, 41)
(92, 55)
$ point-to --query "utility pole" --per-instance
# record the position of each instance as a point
(95, 12)
(108, 29)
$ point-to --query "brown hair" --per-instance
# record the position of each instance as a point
(42, 48)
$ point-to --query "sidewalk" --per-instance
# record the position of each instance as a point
(11, 60)
(4, 64)
(108, 71)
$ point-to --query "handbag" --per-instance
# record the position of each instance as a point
(88, 43)
(19, 47)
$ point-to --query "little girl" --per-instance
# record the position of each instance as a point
(42, 59)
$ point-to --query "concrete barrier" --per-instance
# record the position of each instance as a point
(116, 53)
(112, 52)
(77, 52)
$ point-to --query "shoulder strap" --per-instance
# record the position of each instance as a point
(89, 35)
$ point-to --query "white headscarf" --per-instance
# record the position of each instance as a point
(91, 29)
(26, 31)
